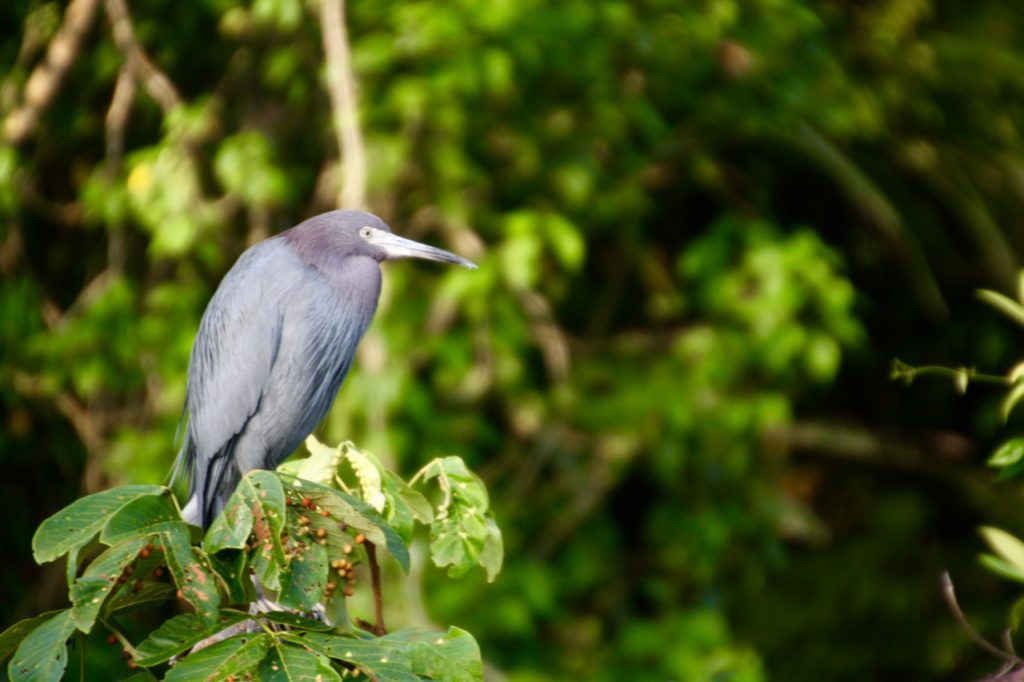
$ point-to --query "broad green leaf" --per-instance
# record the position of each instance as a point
(13, 636)
(320, 467)
(257, 506)
(404, 505)
(302, 586)
(231, 567)
(418, 504)
(1005, 545)
(233, 656)
(296, 621)
(292, 664)
(191, 572)
(1008, 453)
(453, 656)
(91, 590)
(493, 554)
(151, 594)
(463, 533)
(231, 528)
(178, 634)
(142, 516)
(43, 654)
(378, 659)
(1002, 567)
(76, 524)
(356, 514)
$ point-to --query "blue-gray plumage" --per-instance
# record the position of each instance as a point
(275, 343)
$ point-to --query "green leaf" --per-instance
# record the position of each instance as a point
(151, 594)
(178, 634)
(296, 621)
(1005, 545)
(1002, 567)
(453, 656)
(1012, 398)
(1008, 453)
(92, 589)
(320, 467)
(256, 507)
(192, 573)
(404, 505)
(292, 664)
(493, 555)
(75, 525)
(359, 516)
(232, 656)
(43, 654)
(463, 534)
(302, 586)
(13, 636)
(142, 516)
(378, 660)
(1004, 304)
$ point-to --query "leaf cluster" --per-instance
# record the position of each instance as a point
(298, 537)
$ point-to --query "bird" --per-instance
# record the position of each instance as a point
(274, 345)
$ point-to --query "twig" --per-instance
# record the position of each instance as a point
(117, 117)
(155, 81)
(46, 78)
(342, 91)
(378, 600)
(950, 595)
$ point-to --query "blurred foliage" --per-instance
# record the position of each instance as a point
(704, 230)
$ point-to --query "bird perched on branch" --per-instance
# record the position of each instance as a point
(275, 343)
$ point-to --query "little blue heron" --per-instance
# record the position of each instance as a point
(275, 343)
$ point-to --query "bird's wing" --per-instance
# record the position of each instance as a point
(237, 345)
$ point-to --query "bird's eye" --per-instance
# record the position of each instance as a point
(366, 232)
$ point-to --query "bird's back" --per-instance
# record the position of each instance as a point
(273, 348)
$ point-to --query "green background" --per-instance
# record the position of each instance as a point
(705, 231)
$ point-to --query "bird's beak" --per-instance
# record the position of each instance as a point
(394, 246)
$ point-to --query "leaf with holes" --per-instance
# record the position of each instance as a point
(13, 636)
(292, 664)
(358, 515)
(302, 586)
(191, 572)
(378, 660)
(75, 525)
(453, 656)
(43, 654)
(92, 589)
(233, 656)
(178, 634)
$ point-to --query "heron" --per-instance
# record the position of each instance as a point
(274, 345)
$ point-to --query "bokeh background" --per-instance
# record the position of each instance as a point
(706, 229)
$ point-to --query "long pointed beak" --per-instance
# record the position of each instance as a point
(394, 246)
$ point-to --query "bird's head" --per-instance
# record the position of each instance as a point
(370, 235)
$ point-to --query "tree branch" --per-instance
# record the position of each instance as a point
(378, 598)
(155, 81)
(342, 90)
(46, 78)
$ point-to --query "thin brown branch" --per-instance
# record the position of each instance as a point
(155, 81)
(949, 594)
(378, 598)
(549, 336)
(47, 77)
(117, 117)
(342, 90)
